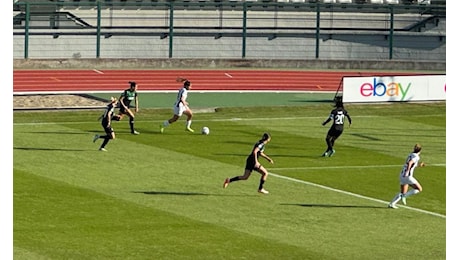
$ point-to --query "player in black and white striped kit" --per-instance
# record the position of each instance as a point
(406, 178)
(107, 124)
(181, 107)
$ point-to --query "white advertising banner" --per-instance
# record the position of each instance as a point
(394, 88)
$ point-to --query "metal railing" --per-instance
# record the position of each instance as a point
(137, 29)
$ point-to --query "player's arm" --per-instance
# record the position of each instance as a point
(266, 157)
(327, 120)
(136, 100)
(349, 119)
(109, 118)
(183, 101)
(121, 101)
(410, 164)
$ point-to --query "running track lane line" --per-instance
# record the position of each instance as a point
(49, 81)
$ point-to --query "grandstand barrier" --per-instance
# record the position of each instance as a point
(229, 29)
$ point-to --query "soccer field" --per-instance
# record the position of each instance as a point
(160, 196)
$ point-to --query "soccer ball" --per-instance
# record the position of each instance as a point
(205, 130)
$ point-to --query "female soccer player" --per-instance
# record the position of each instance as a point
(107, 125)
(252, 163)
(406, 178)
(181, 107)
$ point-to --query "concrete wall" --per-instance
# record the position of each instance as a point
(228, 63)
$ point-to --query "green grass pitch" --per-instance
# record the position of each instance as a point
(160, 196)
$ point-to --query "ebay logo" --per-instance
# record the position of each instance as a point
(379, 89)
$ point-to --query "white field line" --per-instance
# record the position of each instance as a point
(354, 194)
(345, 167)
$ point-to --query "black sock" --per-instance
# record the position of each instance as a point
(106, 140)
(131, 124)
(261, 184)
(234, 179)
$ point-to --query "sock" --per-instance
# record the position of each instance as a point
(188, 123)
(261, 184)
(396, 198)
(131, 124)
(411, 192)
(234, 179)
(106, 140)
(165, 123)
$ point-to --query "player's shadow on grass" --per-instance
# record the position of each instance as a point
(172, 193)
(48, 149)
(60, 133)
(330, 206)
(312, 100)
(185, 193)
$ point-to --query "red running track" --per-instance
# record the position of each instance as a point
(87, 81)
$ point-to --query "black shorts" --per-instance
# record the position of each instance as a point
(108, 129)
(123, 110)
(250, 163)
(334, 132)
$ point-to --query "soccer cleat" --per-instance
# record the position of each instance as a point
(162, 129)
(226, 183)
(263, 191)
(325, 154)
(95, 138)
(102, 149)
(189, 129)
(135, 132)
(332, 152)
(403, 199)
(393, 206)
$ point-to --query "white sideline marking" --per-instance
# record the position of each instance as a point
(356, 195)
(345, 167)
(228, 75)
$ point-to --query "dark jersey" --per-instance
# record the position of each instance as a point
(107, 116)
(338, 118)
(127, 96)
(251, 160)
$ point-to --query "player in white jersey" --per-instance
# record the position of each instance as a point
(181, 107)
(406, 178)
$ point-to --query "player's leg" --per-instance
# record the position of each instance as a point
(263, 178)
(188, 123)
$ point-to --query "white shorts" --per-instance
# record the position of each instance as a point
(179, 110)
(407, 180)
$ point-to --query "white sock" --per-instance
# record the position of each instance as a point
(396, 198)
(411, 192)
(188, 123)
(165, 123)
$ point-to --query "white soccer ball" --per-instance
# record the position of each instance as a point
(205, 130)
